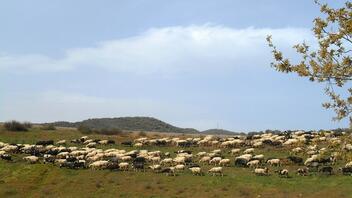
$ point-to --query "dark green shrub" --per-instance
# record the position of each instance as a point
(48, 127)
(142, 133)
(109, 131)
(28, 125)
(84, 129)
(17, 126)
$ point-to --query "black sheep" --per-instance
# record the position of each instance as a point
(346, 170)
(326, 169)
(6, 157)
(295, 159)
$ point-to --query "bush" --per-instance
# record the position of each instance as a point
(84, 129)
(142, 133)
(28, 125)
(48, 127)
(109, 131)
(17, 126)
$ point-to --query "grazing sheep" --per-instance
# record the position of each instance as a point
(138, 145)
(326, 170)
(201, 154)
(155, 160)
(261, 171)
(258, 157)
(346, 170)
(274, 162)
(283, 173)
(126, 158)
(123, 166)
(196, 170)
(253, 163)
(179, 160)
(224, 162)
(88, 141)
(297, 150)
(169, 170)
(205, 159)
(215, 160)
(347, 147)
(102, 164)
(103, 142)
(348, 165)
(241, 162)
(216, 170)
(91, 145)
(235, 151)
(217, 151)
(302, 171)
(295, 159)
(6, 157)
(61, 142)
(156, 167)
(180, 167)
(166, 161)
(31, 159)
(248, 151)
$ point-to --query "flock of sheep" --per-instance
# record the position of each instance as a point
(308, 152)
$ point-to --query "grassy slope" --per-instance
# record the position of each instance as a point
(19, 179)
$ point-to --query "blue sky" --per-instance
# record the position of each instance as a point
(198, 63)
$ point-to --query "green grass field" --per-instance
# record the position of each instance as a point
(19, 179)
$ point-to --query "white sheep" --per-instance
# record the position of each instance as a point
(201, 154)
(138, 144)
(126, 158)
(180, 167)
(261, 171)
(61, 142)
(124, 166)
(205, 159)
(348, 165)
(253, 163)
(102, 164)
(155, 160)
(196, 170)
(235, 151)
(297, 150)
(103, 142)
(274, 162)
(216, 170)
(215, 160)
(91, 145)
(258, 157)
(31, 159)
(155, 167)
(166, 161)
(224, 162)
(179, 160)
(248, 151)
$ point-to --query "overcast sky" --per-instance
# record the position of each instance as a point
(191, 63)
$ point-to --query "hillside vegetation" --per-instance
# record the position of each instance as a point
(220, 132)
(128, 124)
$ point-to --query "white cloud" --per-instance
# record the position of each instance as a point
(166, 51)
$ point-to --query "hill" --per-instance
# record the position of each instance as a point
(219, 132)
(127, 123)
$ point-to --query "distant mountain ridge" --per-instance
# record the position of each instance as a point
(127, 123)
(220, 132)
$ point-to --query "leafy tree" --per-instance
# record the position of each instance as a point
(331, 62)
(17, 126)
